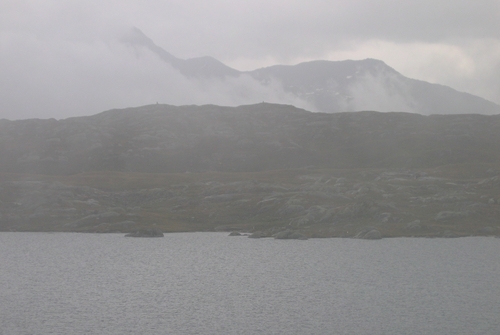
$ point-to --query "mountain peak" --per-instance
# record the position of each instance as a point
(330, 86)
(205, 66)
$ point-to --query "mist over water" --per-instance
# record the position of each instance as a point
(208, 283)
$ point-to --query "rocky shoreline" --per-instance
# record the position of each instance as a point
(363, 203)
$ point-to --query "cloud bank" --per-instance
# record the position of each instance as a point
(61, 58)
(81, 78)
(376, 92)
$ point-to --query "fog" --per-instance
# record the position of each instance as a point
(89, 77)
(381, 93)
(60, 59)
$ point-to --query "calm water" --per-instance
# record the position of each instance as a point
(209, 283)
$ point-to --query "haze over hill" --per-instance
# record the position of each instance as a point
(271, 168)
(343, 171)
(164, 138)
(323, 86)
(60, 59)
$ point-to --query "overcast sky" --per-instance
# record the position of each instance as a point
(61, 58)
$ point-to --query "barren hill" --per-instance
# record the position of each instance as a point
(266, 169)
(163, 138)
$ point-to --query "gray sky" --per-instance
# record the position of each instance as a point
(61, 58)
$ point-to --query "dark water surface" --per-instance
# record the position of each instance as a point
(209, 283)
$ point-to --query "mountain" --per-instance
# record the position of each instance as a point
(204, 67)
(370, 85)
(273, 170)
(335, 86)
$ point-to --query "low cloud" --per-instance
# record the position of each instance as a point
(86, 77)
(471, 66)
(378, 92)
(234, 91)
(58, 58)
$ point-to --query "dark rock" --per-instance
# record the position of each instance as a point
(153, 232)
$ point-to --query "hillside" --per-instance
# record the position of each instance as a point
(263, 167)
(169, 139)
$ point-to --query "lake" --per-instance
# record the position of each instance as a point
(209, 283)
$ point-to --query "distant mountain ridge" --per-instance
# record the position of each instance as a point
(336, 86)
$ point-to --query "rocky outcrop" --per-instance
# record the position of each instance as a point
(369, 234)
(414, 225)
(314, 202)
(153, 232)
